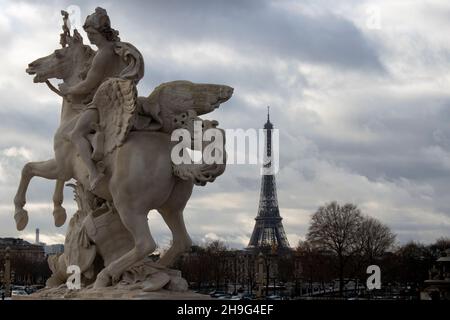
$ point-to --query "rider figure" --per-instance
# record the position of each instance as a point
(107, 63)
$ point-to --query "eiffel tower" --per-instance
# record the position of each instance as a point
(268, 231)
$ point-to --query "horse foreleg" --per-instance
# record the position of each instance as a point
(181, 240)
(59, 213)
(46, 169)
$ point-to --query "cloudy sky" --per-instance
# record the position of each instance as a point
(358, 89)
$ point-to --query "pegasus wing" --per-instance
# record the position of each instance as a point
(116, 101)
(178, 100)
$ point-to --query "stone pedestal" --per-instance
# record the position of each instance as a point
(111, 293)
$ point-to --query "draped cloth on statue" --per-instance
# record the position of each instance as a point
(134, 60)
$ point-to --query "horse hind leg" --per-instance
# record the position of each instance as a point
(181, 240)
(135, 220)
(46, 169)
(172, 213)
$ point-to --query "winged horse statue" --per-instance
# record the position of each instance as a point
(131, 147)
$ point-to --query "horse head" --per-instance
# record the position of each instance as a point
(70, 63)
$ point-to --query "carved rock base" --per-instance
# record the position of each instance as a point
(144, 281)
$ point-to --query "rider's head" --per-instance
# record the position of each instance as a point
(98, 25)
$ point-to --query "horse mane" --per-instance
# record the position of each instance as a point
(90, 53)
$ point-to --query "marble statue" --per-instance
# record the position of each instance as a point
(117, 147)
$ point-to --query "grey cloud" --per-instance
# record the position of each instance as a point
(318, 162)
(406, 127)
(255, 27)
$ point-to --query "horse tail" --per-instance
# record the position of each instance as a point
(207, 171)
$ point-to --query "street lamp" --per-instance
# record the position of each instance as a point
(6, 274)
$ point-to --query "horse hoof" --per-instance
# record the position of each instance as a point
(59, 215)
(21, 217)
(103, 280)
(156, 282)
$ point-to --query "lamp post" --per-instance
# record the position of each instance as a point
(260, 276)
(236, 266)
(1, 282)
(7, 273)
(298, 287)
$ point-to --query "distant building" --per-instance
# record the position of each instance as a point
(22, 248)
(50, 249)
(28, 261)
(438, 284)
(53, 249)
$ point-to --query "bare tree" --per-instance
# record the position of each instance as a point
(314, 263)
(439, 246)
(216, 246)
(374, 238)
(217, 254)
(335, 228)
